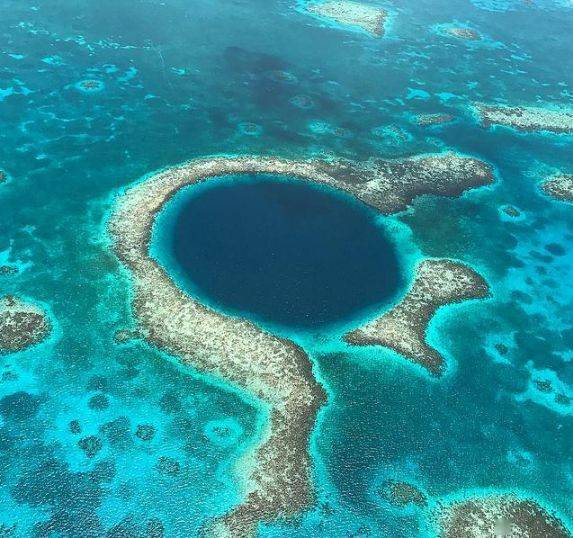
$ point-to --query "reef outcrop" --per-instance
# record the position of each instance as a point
(527, 118)
(403, 328)
(22, 324)
(276, 473)
(366, 17)
(498, 515)
(402, 494)
(559, 188)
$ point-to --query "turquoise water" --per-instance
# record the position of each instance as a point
(177, 80)
(279, 250)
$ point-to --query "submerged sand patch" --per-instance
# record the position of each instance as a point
(276, 474)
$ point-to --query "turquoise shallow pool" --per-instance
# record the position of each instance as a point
(100, 438)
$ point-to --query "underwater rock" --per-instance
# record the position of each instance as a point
(75, 427)
(145, 432)
(367, 17)
(559, 188)
(403, 328)
(99, 402)
(402, 494)
(22, 324)
(20, 406)
(91, 445)
(97, 382)
(527, 118)
(511, 211)
(3, 176)
(124, 336)
(276, 472)
(498, 515)
(433, 119)
(168, 466)
(8, 270)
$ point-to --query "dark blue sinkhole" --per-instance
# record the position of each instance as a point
(277, 250)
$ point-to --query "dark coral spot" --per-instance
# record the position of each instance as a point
(555, 249)
(168, 466)
(117, 431)
(97, 382)
(170, 403)
(99, 402)
(19, 406)
(75, 427)
(145, 432)
(91, 445)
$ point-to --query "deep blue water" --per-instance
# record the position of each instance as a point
(285, 252)
(179, 79)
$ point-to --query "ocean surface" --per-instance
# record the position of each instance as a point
(105, 439)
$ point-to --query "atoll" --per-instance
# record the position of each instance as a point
(527, 118)
(276, 473)
(403, 328)
(498, 515)
(22, 324)
(559, 187)
(364, 16)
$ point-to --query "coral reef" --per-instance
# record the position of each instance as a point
(276, 473)
(364, 16)
(527, 118)
(402, 494)
(498, 515)
(403, 328)
(22, 324)
(559, 187)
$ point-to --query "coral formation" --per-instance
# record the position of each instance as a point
(403, 328)
(364, 16)
(559, 187)
(22, 324)
(402, 494)
(527, 118)
(276, 473)
(498, 515)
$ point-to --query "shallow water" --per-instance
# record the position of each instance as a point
(180, 80)
(281, 251)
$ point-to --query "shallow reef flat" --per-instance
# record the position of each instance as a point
(391, 185)
(22, 324)
(403, 328)
(276, 473)
(559, 187)
(527, 118)
(498, 515)
(364, 16)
